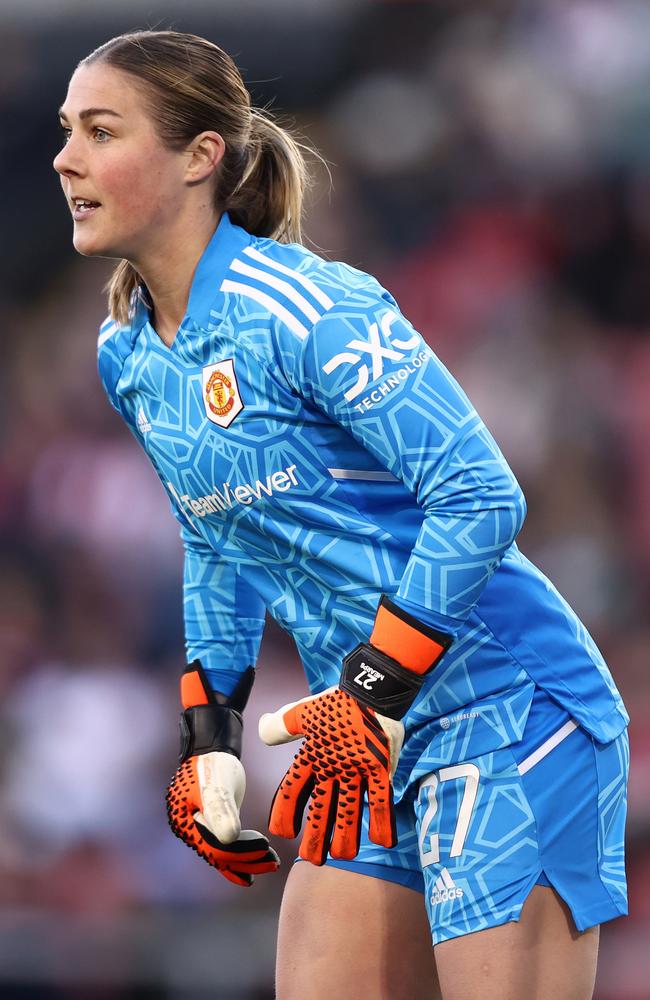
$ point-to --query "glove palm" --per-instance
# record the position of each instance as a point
(348, 752)
(352, 739)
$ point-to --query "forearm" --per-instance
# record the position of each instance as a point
(223, 615)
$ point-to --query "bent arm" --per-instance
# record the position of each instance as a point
(367, 368)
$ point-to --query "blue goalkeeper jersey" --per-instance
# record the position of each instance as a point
(318, 455)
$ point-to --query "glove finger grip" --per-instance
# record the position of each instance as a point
(291, 797)
(249, 856)
(347, 829)
(382, 829)
(238, 878)
(250, 846)
(320, 822)
(183, 798)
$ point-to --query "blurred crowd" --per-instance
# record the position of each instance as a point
(491, 165)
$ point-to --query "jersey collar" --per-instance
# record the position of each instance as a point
(225, 243)
(228, 240)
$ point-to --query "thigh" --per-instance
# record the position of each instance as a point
(540, 957)
(347, 935)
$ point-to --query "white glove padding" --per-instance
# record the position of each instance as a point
(203, 802)
(222, 783)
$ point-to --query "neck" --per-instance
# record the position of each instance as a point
(168, 271)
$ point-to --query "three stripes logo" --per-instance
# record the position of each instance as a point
(287, 293)
(445, 889)
(143, 422)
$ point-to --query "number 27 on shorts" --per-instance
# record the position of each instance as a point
(429, 843)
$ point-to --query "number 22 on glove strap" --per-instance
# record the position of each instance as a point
(349, 751)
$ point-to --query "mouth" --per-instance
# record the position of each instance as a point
(83, 208)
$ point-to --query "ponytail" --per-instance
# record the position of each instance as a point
(268, 199)
(122, 290)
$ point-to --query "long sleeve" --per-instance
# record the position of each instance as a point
(367, 368)
(224, 616)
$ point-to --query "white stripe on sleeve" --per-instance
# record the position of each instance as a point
(306, 282)
(107, 333)
(269, 303)
(281, 286)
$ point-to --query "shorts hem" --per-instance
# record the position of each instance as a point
(600, 913)
(512, 916)
(583, 917)
(401, 876)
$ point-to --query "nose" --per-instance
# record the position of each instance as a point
(62, 163)
(66, 162)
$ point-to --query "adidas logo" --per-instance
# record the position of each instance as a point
(144, 426)
(445, 889)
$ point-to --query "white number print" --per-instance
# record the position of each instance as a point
(430, 843)
(364, 681)
(367, 677)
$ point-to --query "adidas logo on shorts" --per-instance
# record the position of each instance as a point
(445, 889)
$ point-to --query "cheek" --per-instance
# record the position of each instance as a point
(139, 191)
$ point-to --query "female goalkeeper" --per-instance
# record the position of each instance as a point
(464, 741)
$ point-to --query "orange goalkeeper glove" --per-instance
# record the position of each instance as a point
(206, 792)
(352, 740)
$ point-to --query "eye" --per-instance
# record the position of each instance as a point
(67, 132)
(100, 134)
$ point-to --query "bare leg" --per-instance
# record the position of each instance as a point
(345, 936)
(542, 957)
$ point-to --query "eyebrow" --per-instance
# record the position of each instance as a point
(90, 113)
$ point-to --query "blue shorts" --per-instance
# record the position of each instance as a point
(475, 837)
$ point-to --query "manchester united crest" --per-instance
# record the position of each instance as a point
(221, 393)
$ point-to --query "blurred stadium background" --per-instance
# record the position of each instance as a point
(491, 167)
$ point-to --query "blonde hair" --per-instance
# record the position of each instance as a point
(191, 86)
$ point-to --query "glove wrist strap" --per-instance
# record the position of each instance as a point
(212, 720)
(205, 728)
(379, 681)
(373, 674)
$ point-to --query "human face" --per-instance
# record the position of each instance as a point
(113, 160)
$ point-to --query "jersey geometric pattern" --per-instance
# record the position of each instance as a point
(495, 832)
(356, 466)
(486, 830)
(612, 762)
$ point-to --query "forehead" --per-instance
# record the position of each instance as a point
(100, 86)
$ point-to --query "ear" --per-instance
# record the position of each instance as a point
(204, 154)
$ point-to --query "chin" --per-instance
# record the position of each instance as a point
(89, 246)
